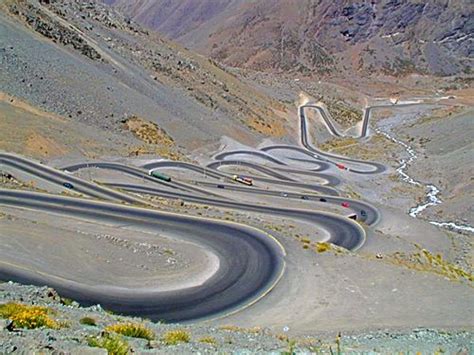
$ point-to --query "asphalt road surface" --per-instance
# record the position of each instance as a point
(250, 261)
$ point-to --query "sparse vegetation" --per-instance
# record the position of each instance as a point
(66, 301)
(376, 148)
(174, 337)
(343, 113)
(423, 260)
(156, 139)
(291, 346)
(338, 144)
(322, 247)
(234, 328)
(208, 340)
(88, 321)
(29, 317)
(134, 330)
(113, 343)
(148, 132)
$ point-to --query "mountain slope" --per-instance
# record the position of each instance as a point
(391, 36)
(89, 64)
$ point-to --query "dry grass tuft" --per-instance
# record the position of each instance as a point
(174, 337)
(423, 260)
(29, 317)
(208, 340)
(234, 328)
(322, 247)
(113, 343)
(134, 330)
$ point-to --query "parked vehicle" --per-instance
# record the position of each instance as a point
(160, 176)
(243, 180)
(323, 200)
(68, 185)
(345, 204)
(221, 186)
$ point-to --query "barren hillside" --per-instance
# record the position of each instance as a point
(90, 64)
(394, 37)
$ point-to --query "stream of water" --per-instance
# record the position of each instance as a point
(432, 191)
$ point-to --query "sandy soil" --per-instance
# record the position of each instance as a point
(101, 255)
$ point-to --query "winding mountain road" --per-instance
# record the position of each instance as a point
(251, 262)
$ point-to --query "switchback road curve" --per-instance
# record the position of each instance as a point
(251, 261)
(343, 231)
(376, 168)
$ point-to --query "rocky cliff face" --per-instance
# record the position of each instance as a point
(392, 36)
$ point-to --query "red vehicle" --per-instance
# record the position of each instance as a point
(345, 204)
(341, 166)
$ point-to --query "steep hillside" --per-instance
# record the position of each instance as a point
(89, 64)
(390, 36)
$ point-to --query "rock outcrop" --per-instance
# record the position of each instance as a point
(391, 36)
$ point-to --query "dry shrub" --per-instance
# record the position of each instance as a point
(134, 330)
(174, 337)
(29, 317)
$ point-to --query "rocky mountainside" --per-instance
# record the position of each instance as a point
(391, 36)
(79, 330)
(90, 64)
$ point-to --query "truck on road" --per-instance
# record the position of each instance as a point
(158, 175)
(243, 180)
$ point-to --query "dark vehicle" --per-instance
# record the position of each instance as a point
(68, 185)
(160, 176)
(353, 216)
(363, 213)
(323, 200)
(304, 197)
(221, 186)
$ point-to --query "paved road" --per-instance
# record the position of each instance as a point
(272, 171)
(136, 172)
(58, 177)
(376, 168)
(368, 111)
(365, 211)
(251, 262)
(343, 231)
(212, 171)
(262, 155)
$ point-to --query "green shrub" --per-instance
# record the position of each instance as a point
(113, 343)
(174, 337)
(66, 301)
(88, 321)
(135, 330)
